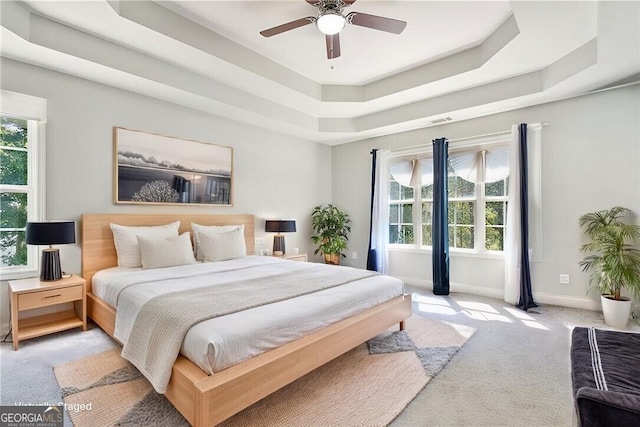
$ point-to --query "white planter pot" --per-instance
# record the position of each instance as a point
(616, 313)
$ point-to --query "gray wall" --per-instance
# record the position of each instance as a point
(590, 153)
(275, 175)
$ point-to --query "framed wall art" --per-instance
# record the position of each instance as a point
(158, 169)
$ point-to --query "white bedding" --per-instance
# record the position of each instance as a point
(221, 342)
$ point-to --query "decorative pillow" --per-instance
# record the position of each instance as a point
(223, 246)
(168, 252)
(198, 229)
(124, 238)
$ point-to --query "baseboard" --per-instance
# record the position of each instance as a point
(540, 297)
(567, 301)
(477, 290)
(456, 287)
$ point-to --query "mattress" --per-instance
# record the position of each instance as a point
(221, 342)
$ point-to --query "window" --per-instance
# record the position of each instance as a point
(426, 193)
(401, 204)
(20, 200)
(462, 207)
(495, 214)
(13, 199)
(477, 210)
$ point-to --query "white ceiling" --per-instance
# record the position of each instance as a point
(455, 59)
(367, 54)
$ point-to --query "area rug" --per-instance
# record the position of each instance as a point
(369, 385)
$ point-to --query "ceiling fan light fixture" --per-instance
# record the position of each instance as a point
(330, 23)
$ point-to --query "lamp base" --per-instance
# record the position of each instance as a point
(50, 269)
(278, 244)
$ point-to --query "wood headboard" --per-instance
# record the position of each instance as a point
(99, 252)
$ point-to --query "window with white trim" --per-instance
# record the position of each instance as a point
(462, 212)
(401, 203)
(495, 196)
(477, 194)
(21, 195)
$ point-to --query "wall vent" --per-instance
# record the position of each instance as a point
(441, 120)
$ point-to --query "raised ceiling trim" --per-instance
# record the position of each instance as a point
(60, 38)
(572, 63)
(161, 66)
(158, 18)
(195, 91)
(458, 63)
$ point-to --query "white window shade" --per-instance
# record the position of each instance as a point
(426, 171)
(469, 165)
(402, 172)
(412, 173)
(496, 165)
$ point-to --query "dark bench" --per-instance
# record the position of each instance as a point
(605, 372)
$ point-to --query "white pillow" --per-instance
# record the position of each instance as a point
(223, 246)
(167, 252)
(198, 229)
(124, 238)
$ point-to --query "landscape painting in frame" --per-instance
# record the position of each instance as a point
(152, 168)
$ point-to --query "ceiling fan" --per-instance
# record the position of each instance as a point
(331, 21)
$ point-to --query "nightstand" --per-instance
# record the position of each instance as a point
(293, 257)
(29, 294)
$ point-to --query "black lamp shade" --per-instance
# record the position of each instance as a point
(280, 226)
(51, 233)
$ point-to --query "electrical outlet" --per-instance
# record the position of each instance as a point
(354, 255)
(564, 279)
(259, 240)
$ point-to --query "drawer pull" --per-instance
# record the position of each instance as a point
(53, 296)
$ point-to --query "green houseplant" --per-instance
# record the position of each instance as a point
(331, 226)
(613, 260)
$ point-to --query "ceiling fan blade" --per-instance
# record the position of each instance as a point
(288, 26)
(333, 46)
(376, 22)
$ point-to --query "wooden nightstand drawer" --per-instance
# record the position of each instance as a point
(297, 257)
(293, 256)
(50, 297)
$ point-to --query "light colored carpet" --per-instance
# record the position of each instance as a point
(514, 372)
(369, 385)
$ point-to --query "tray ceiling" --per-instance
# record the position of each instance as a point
(454, 59)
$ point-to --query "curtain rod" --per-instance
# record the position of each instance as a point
(466, 138)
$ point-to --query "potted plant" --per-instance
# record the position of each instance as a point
(331, 226)
(613, 260)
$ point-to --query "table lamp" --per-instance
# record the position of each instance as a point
(50, 233)
(279, 226)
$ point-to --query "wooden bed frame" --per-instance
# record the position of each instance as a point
(206, 400)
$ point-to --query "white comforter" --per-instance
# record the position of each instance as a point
(221, 342)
